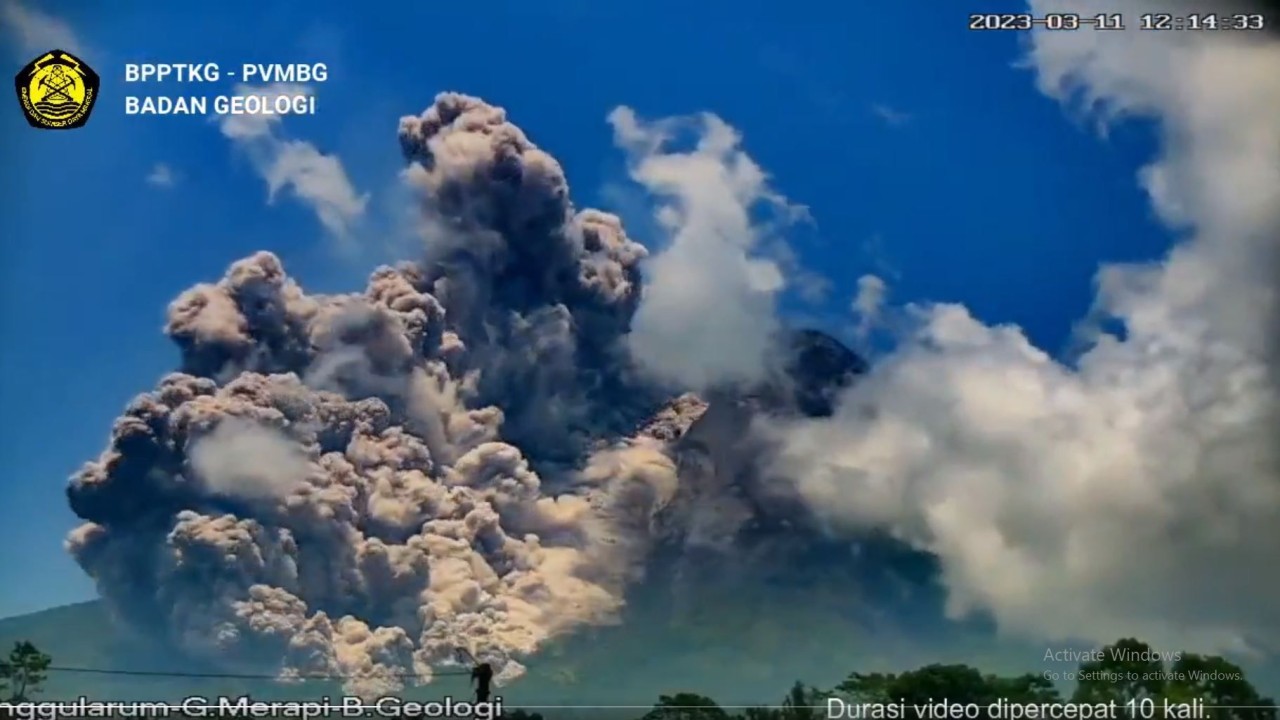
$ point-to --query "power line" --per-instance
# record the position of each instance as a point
(242, 676)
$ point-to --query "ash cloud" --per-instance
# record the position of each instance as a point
(480, 451)
(359, 484)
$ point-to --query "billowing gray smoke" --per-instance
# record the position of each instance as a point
(358, 484)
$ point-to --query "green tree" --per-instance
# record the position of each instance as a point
(1025, 689)
(954, 683)
(871, 688)
(686, 706)
(1130, 670)
(799, 704)
(22, 673)
(762, 713)
(1222, 686)
(957, 683)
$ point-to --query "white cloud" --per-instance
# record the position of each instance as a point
(253, 127)
(708, 307)
(869, 303)
(37, 32)
(317, 180)
(890, 116)
(241, 458)
(162, 176)
(1136, 491)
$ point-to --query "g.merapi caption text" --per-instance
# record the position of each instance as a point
(245, 707)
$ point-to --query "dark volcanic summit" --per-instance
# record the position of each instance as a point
(819, 366)
(734, 530)
(724, 488)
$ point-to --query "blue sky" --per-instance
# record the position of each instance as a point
(923, 152)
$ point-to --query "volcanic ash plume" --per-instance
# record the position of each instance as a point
(359, 484)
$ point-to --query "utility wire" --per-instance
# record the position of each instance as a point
(241, 676)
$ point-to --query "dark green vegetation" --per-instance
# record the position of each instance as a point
(1139, 688)
(22, 672)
